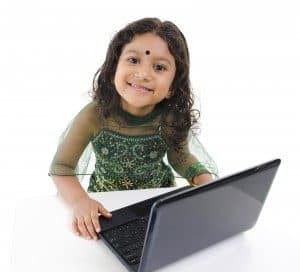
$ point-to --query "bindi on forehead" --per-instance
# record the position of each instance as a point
(148, 52)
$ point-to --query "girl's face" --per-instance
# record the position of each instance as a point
(144, 73)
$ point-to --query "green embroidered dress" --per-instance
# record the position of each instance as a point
(132, 152)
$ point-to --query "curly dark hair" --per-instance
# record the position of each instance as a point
(177, 116)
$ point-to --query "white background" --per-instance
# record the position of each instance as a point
(245, 67)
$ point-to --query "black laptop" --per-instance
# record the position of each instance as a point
(158, 231)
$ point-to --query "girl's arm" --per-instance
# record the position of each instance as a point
(75, 141)
(188, 166)
(85, 210)
(69, 188)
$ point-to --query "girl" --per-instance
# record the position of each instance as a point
(141, 110)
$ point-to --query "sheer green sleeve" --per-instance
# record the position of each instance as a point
(74, 148)
(192, 159)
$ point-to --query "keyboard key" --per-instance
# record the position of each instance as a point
(128, 239)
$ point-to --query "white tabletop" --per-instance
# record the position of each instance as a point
(43, 241)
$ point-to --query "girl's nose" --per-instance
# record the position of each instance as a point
(142, 75)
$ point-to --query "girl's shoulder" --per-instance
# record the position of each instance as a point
(90, 116)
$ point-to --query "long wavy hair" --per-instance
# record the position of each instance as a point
(177, 115)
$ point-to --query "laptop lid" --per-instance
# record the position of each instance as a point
(193, 219)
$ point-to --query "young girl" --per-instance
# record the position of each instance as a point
(141, 110)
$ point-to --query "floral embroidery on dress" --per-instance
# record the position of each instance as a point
(126, 162)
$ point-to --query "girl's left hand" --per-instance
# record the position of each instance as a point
(202, 179)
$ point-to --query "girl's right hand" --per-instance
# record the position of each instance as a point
(86, 212)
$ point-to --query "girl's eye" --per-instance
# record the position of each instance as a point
(159, 67)
(132, 60)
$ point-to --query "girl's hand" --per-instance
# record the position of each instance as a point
(202, 179)
(85, 217)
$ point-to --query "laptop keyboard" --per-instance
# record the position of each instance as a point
(128, 239)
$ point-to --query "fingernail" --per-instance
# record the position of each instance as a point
(98, 230)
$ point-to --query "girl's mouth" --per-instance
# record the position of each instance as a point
(139, 87)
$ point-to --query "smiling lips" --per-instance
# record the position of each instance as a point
(140, 88)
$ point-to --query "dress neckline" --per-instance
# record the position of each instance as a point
(132, 119)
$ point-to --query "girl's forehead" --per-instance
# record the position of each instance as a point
(148, 44)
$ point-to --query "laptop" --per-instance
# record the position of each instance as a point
(160, 230)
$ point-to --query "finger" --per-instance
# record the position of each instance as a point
(103, 211)
(75, 227)
(90, 227)
(95, 221)
(82, 228)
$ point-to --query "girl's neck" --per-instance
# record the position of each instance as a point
(139, 112)
(136, 119)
